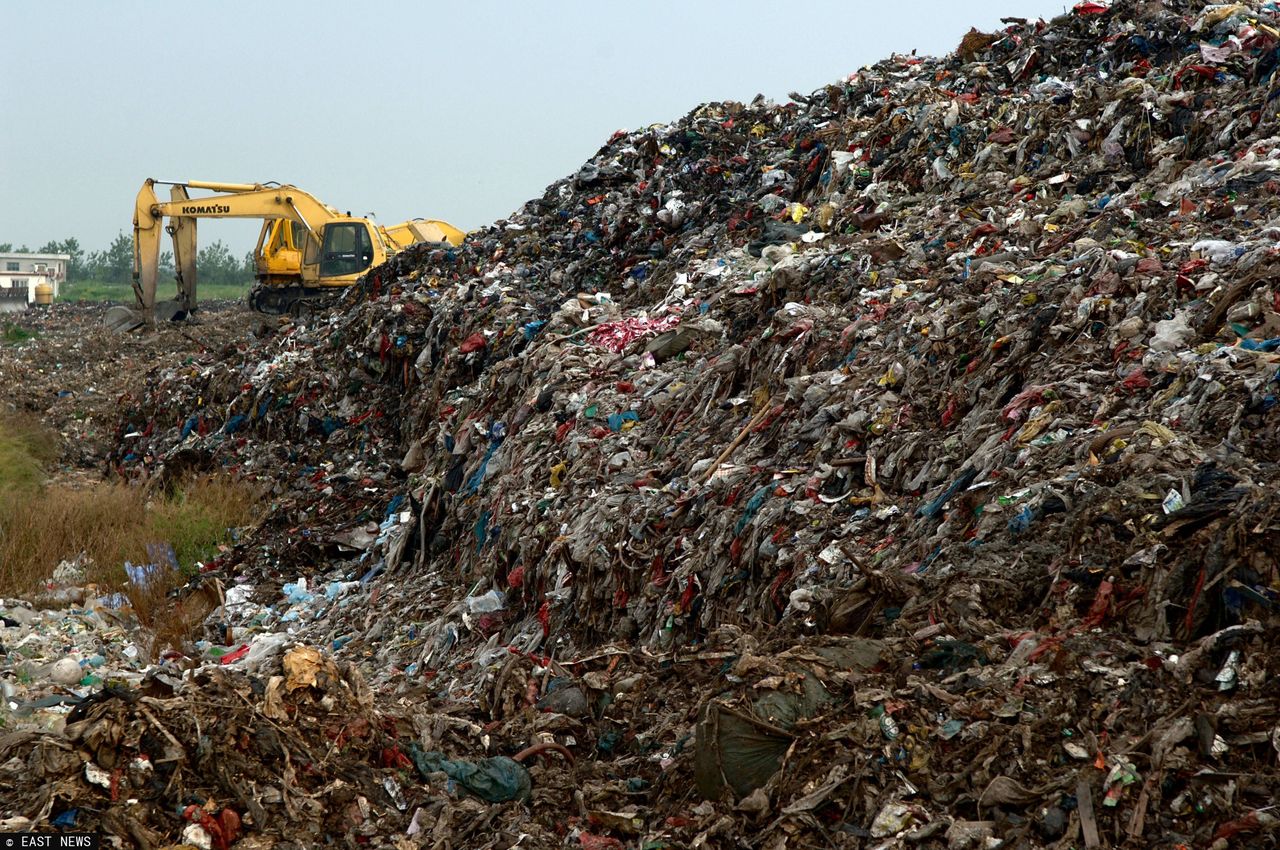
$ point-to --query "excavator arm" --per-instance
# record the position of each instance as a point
(233, 200)
(183, 231)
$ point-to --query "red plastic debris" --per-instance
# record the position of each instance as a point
(1137, 381)
(1253, 822)
(1101, 605)
(544, 617)
(1092, 7)
(223, 830)
(391, 757)
(515, 578)
(617, 335)
(235, 655)
(949, 415)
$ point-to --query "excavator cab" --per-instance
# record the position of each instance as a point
(347, 249)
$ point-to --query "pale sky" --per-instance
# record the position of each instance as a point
(458, 111)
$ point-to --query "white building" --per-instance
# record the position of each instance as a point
(20, 274)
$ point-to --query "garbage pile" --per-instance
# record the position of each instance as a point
(291, 755)
(54, 652)
(889, 467)
(63, 366)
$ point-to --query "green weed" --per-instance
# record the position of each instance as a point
(13, 334)
(25, 449)
(122, 293)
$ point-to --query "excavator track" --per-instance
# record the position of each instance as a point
(297, 301)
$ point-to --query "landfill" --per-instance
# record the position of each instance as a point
(889, 467)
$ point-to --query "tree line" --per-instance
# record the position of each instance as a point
(215, 262)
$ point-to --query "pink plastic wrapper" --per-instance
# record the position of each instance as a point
(617, 335)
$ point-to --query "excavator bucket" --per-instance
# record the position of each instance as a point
(434, 230)
(170, 311)
(123, 319)
(146, 254)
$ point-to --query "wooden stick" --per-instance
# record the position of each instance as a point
(737, 441)
(1088, 822)
(159, 727)
(1139, 820)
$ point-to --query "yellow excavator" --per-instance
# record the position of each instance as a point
(306, 248)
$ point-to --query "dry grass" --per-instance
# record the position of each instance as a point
(171, 619)
(111, 524)
(42, 524)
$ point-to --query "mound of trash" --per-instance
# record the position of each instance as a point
(64, 367)
(887, 467)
